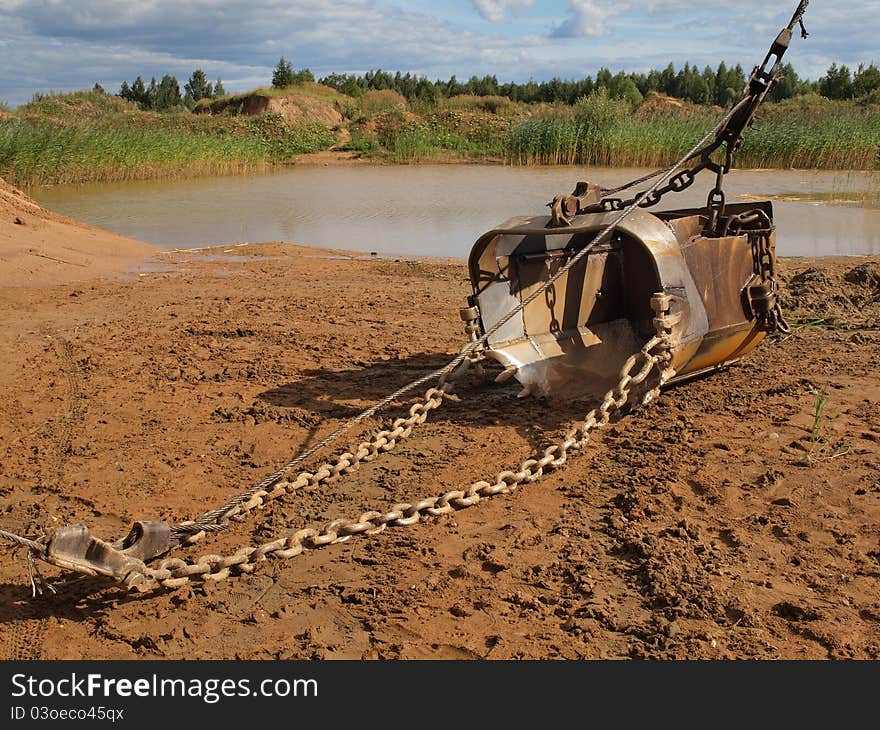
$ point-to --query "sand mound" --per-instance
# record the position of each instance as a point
(843, 293)
(313, 103)
(655, 103)
(39, 248)
(297, 109)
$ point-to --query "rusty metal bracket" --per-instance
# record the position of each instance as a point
(73, 547)
(565, 207)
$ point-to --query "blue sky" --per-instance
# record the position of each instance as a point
(66, 44)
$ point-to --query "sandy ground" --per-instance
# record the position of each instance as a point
(719, 522)
(38, 247)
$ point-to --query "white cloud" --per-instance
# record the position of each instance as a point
(587, 18)
(497, 10)
(65, 44)
(112, 40)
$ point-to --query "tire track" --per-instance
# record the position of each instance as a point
(21, 636)
(23, 628)
(75, 411)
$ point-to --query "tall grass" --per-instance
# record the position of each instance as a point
(602, 131)
(424, 143)
(42, 153)
(811, 132)
(77, 138)
(443, 134)
(419, 143)
(90, 136)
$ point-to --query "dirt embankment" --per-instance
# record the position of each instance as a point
(41, 248)
(310, 103)
(737, 516)
(845, 293)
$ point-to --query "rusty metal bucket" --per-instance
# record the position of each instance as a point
(572, 341)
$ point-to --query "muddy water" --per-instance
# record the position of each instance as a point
(436, 210)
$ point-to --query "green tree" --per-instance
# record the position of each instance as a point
(788, 84)
(125, 91)
(623, 87)
(282, 76)
(198, 86)
(218, 89)
(98, 89)
(667, 80)
(488, 86)
(168, 94)
(865, 80)
(425, 90)
(729, 84)
(139, 93)
(691, 86)
(836, 83)
(738, 80)
(350, 86)
(709, 80)
(152, 94)
(301, 76)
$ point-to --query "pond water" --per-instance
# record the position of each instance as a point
(434, 210)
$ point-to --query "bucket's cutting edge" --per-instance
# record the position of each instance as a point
(549, 365)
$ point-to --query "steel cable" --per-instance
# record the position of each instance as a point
(208, 521)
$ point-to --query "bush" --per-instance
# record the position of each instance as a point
(389, 125)
(491, 104)
(282, 140)
(376, 101)
(599, 115)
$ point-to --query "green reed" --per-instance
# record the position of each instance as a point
(93, 137)
(840, 136)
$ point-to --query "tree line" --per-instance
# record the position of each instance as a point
(165, 95)
(841, 83)
(719, 86)
(708, 86)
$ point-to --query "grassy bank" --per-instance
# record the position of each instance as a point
(89, 136)
(806, 133)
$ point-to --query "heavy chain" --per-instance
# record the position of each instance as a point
(763, 296)
(770, 318)
(677, 183)
(380, 442)
(655, 355)
(715, 201)
(469, 355)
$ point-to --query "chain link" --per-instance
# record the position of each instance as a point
(773, 320)
(632, 389)
(380, 442)
(677, 183)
